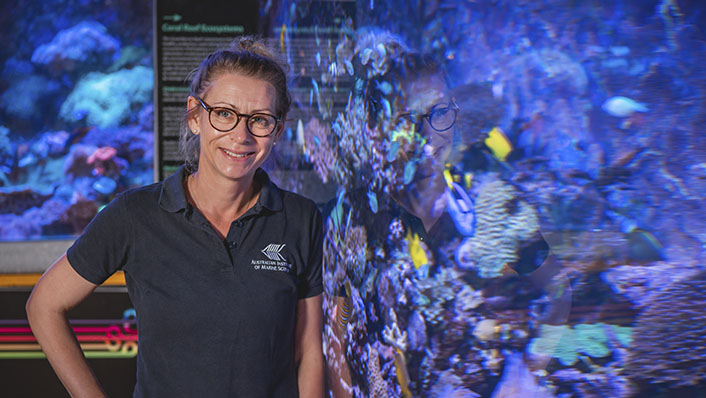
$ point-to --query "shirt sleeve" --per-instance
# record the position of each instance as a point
(103, 247)
(310, 282)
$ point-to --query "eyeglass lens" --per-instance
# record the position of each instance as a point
(442, 117)
(259, 124)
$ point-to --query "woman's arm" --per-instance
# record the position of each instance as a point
(308, 352)
(59, 290)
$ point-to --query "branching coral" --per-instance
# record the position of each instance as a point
(501, 223)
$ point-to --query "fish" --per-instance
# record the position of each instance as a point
(300, 133)
(402, 373)
(365, 56)
(623, 106)
(318, 58)
(468, 179)
(373, 201)
(384, 87)
(345, 310)
(393, 151)
(409, 170)
(349, 67)
(337, 213)
(387, 108)
(316, 87)
(498, 143)
(282, 34)
(461, 208)
(416, 251)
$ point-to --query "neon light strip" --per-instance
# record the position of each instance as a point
(117, 339)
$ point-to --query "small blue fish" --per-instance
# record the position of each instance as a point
(622, 106)
(316, 87)
(337, 213)
(318, 59)
(387, 108)
(365, 56)
(384, 87)
(373, 202)
(300, 133)
(105, 185)
(409, 170)
(358, 85)
(461, 209)
(393, 151)
(349, 67)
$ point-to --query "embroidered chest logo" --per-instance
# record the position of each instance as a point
(275, 260)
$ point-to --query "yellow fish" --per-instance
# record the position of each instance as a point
(402, 373)
(498, 144)
(281, 37)
(416, 251)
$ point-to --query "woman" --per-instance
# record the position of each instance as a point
(223, 268)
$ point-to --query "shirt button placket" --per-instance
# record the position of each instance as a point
(234, 238)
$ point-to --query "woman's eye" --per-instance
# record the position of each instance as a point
(261, 120)
(440, 112)
(224, 113)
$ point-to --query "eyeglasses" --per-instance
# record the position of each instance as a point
(225, 119)
(441, 117)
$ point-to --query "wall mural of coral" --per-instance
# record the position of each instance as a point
(75, 112)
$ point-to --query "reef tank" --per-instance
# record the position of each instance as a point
(76, 108)
(512, 191)
(519, 197)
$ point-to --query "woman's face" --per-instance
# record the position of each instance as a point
(422, 95)
(235, 154)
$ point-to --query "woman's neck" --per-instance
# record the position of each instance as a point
(221, 200)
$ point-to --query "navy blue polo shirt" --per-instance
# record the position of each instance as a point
(216, 318)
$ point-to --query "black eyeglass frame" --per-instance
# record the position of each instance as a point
(247, 117)
(451, 105)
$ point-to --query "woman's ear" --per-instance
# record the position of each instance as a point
(193, 118)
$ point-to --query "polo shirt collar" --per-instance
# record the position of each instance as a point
(270, 196)
(172, 198)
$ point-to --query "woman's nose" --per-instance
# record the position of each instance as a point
(240, 133)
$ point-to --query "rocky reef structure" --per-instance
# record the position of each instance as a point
(669, 343)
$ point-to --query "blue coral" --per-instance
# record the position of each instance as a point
(86, 42)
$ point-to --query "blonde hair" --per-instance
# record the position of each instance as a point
(248, 56)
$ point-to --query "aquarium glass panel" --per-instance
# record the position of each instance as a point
(512, 193)
(76, 110)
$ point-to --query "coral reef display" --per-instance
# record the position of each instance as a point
(566, 222)
(75, 113)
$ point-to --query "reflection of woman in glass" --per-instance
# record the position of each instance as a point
(410, 309)
(223, 268)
